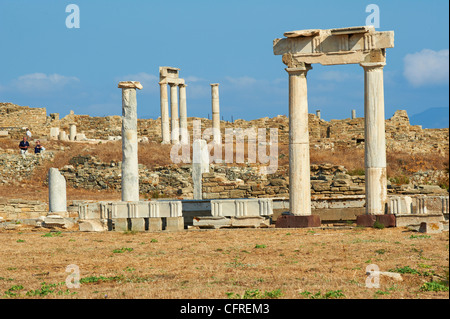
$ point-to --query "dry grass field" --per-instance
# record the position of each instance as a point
(223, 264)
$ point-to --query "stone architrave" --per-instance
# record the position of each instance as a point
(72, 132)
(57, 198)
(355, 45)
(130, 171)
(217, 138)
(200, 165)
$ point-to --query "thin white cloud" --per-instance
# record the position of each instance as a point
(193, 79)
(243, 81)
(427, 67)
(41, 82)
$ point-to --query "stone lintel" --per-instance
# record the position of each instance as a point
(130, 85)
(168, 73)
(335, 46)
(175, 81)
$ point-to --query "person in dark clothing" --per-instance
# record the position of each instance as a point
(23, 145)
(38, 148)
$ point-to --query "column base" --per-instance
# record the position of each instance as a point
(296, 221)
(388, 220)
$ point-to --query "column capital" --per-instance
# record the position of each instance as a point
(301, 69)
(130, 85)
(368, 66)
(182, 85)
(214, 84)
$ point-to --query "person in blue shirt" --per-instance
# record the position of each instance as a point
(38, 149)
(23, 145)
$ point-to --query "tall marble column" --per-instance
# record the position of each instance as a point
(217, 138)
(375, 138)
(130, 170)
(299, 165)
(183, 115)
(165, 126)
(174, 113)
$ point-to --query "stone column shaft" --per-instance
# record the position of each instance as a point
(174, 113)
(72, 132)
(57, 199)
(183, 115)
(165, 126)
(215, 113)
(130, 170)
(299, 164)
(375, 139)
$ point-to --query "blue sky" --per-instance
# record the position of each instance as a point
(45, 64)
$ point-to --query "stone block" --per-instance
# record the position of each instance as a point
(120, 224)
(366, 220)
(154, 224)
(137, 224)
(212, 222)
(388, 220)
(400, 205)
(295, 221)
(242, 207)
(174, 223)
(431, 228)
(249, 222)
(91, 225)
(416, 219)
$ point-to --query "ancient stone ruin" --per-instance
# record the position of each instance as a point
(362, 45)
(203, 194)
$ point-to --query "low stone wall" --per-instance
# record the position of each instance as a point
(16, 209)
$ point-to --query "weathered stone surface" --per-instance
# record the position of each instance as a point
(431, 228)
(91, 225)
(296, 221)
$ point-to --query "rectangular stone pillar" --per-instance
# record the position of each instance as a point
(165, 127)
(57, 199)
(299, 165)
(183, 115)
(200, 165)
(175, 135)
(375, 139)
(130, 172)
(217, 138)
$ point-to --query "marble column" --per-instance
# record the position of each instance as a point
(174, 113)
(318, 114)
(353, 114)
(130, 171)
(183, 115)
(165, 126)
(375, 138)
(299, 165)
(217, 138)
(57, 199)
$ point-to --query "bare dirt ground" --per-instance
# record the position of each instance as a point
(234, 263)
